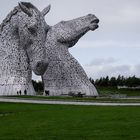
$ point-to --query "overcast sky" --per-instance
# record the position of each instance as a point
(114, 48)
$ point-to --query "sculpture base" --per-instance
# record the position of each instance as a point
(71, 91)
(15, 90)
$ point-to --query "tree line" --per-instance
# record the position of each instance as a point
(38, 85)
(102, 82)
(116, 81)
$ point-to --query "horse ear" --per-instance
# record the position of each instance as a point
(46, 10)
(25, 8)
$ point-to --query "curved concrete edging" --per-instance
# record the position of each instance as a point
(66, 102)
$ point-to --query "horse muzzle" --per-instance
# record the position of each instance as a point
(40, 68)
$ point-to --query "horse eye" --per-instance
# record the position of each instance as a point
(32, 30)
(46, 31)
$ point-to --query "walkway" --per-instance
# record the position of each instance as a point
(65, 102)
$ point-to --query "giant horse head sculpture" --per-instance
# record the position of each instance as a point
(22, 46)
(32, 30)
(64, 74)
(71, 31)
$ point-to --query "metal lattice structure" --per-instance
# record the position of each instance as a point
(64, 74)
(22, 49)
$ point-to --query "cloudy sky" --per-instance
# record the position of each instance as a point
(114, 48)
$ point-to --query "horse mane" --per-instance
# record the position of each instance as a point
(28, 5)
(14, 12)
(8, 17)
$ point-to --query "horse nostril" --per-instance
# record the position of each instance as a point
(92, 21)
(96, 20)
(40, 67)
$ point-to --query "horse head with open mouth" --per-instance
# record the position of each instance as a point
(64, 74)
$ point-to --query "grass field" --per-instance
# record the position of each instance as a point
(66, 122)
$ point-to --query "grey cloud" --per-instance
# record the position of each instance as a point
(112, 70)
(101, 61)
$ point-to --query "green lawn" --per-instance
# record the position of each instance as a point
(67, 122)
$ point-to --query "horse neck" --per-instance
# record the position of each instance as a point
(55, 50)
(13, 58)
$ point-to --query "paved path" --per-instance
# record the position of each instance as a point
(66, 102)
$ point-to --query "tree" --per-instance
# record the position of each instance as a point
(113, 82)
(91, 80)
(38, 86)
(133, 81)
(119, 81)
